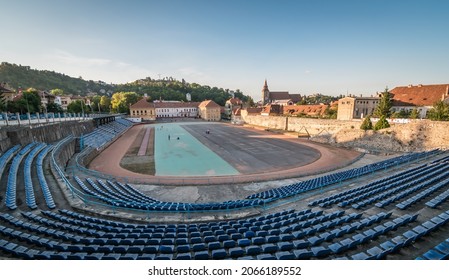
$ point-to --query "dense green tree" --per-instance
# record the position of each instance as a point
(54, 108)
(367, 124)
(57, 91)
(78, 106)
(384, 106)
(439, 112)
(402, 114)
(383, 110)
(29, 101)
(330, 113)
(121, 101)
(381, 123)
(105, 103)
(414, 114)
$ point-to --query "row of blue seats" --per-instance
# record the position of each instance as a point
(116, 201)
(439, 252)
(11, 188)
(326, 180)
(439, 199)
(41, 177)
(388, 191)
(121, 192)
(404, 240)
(423, 194)
(345, 197)
(105, 133)
(30, 198)
(390, 187)
(6, 157)
(235, 247)
(66, 244)
(408, 189)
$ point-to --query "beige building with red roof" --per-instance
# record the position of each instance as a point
(406, 98)
(209, 110)
(421, 97)
(143, 109)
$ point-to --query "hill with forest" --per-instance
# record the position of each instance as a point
(166, 89)
(18, 76)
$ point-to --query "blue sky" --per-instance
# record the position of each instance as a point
(329, 47)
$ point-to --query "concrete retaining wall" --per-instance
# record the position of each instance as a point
(10, 136)
(417, 135)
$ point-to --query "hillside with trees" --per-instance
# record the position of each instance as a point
(166, 88)
(24, 77)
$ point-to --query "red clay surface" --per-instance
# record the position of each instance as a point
(108, 162)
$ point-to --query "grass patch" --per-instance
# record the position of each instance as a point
(140, 164)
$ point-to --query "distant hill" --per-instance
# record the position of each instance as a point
(23, 76)
(167, 88)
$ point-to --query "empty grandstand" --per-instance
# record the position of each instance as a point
(394, 208)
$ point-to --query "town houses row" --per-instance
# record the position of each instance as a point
(404, 99)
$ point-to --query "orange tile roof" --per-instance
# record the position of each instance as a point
(235, 101)
(142, 103)
(304, 109)
(419, 95)
(208, 104)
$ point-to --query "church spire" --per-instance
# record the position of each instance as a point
(265, 93)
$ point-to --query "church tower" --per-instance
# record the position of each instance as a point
(265, 94)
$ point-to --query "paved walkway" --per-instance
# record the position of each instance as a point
(144, 144)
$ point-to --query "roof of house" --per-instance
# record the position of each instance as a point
(142, 103)
(305, 109)
(4, 89)
(235, 101)
(295, 97)
(208, 104)
(279, 95)
(253, 110)
(419, 95)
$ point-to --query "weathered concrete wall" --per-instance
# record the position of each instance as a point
(10, 136)
(5, 142)
(313, 126)
(414, 136)
(417, 135)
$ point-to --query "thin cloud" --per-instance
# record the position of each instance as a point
(69, 58)
(192, 74)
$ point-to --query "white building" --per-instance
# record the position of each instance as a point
(176, 109)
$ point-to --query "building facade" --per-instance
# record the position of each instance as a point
(209, 110)
(421, 97)
(278, 97)
(176, 109)
(143, 109)
(352, 107)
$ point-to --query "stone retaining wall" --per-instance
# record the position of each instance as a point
(417, 135)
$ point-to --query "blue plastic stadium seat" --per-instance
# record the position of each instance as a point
(284, 256)
(219, 254)
(320, 252)
(236, 252)
(253, 250)
(269, 248)
(266, 257)
(302, 254)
